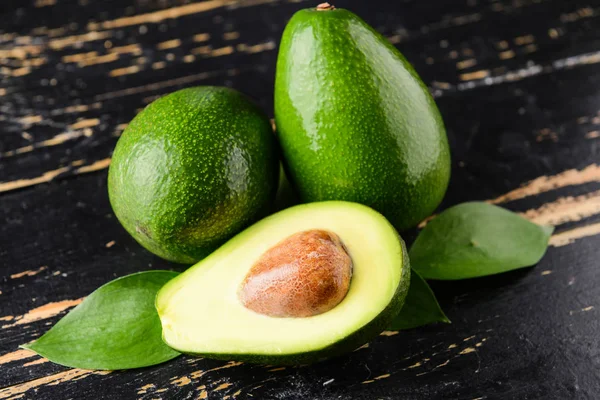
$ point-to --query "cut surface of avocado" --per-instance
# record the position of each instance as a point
(201, 311)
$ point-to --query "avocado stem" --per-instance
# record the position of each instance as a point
(325, 7)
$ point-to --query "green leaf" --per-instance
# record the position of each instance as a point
(116, 327)
(477, 239)
(420, 307)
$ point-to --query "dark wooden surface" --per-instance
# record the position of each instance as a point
(517, 81)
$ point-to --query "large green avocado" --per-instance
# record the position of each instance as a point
(192, 170)
(355, 121)
(202, 311)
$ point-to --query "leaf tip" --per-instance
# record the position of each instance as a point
(548, 229)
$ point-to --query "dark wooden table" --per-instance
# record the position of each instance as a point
(517, 81)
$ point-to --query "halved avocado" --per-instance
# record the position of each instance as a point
(202, 314)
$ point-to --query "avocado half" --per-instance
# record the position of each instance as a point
(201, 313)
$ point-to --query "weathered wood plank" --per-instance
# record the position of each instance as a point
(516, 81)
(49, 134)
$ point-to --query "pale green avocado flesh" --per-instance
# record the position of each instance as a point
(201, 314)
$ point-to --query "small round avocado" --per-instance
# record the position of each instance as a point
(193, 169)
(280, 261)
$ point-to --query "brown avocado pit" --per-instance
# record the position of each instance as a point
(304, 275)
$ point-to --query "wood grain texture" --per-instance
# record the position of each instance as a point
(517, 82)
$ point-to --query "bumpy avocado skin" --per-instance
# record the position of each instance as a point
(355, 121)
(351, 342)
(193, 169)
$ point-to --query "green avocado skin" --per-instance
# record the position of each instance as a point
(355, 121)
(351, 342)
(193, 169)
